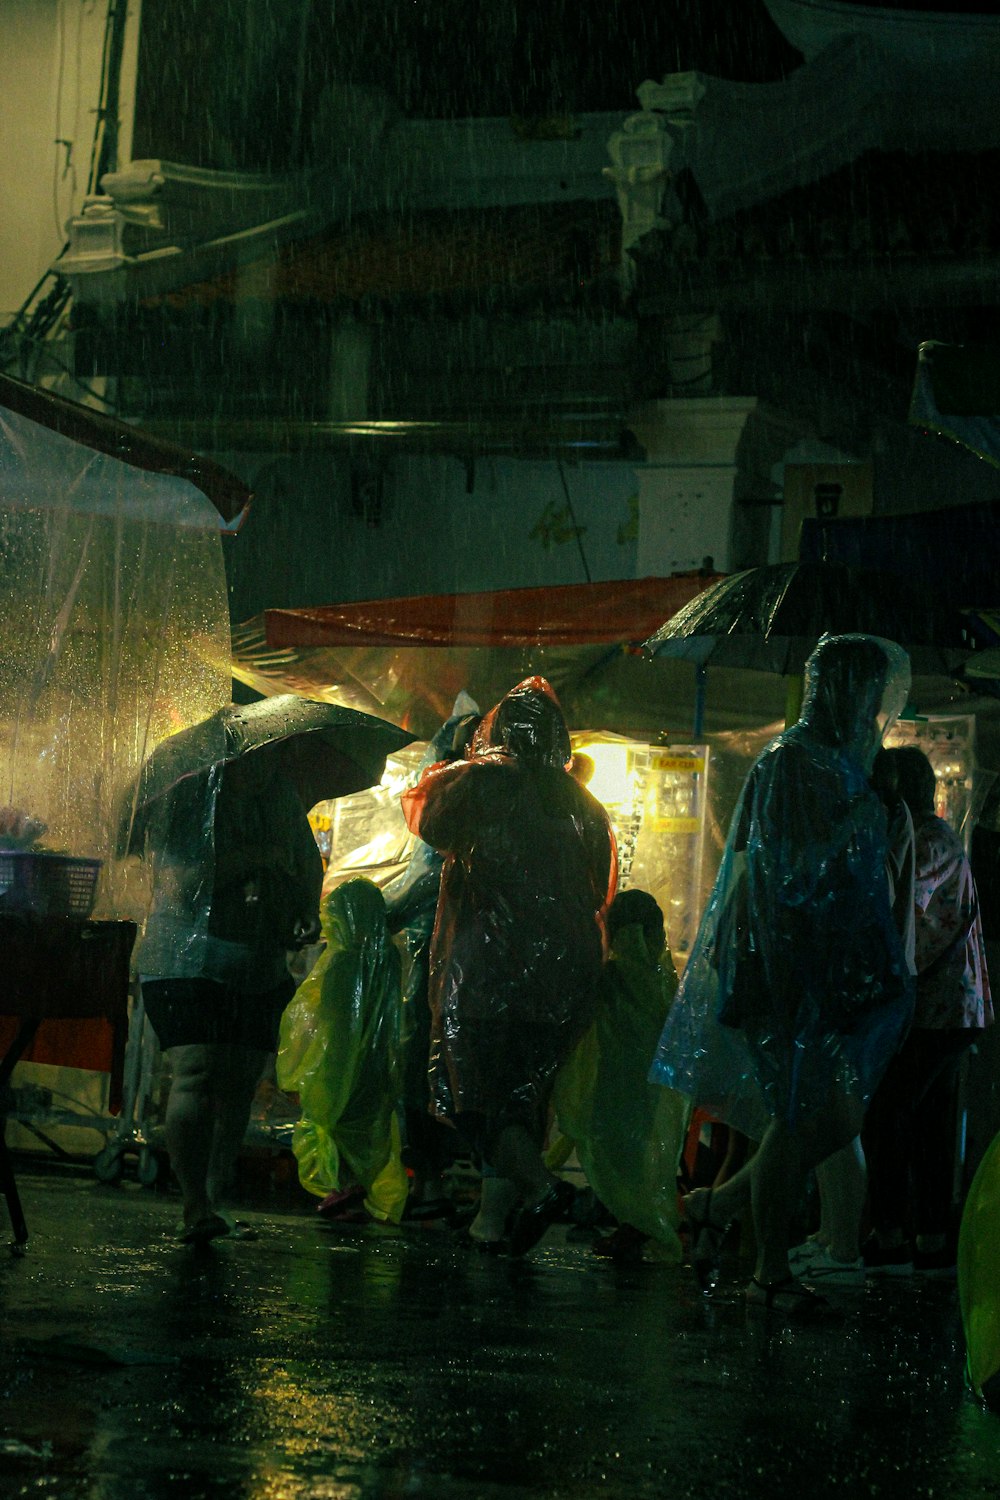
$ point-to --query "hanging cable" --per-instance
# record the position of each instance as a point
(577, 529)
(33, 321)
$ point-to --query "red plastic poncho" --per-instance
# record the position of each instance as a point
(530, 865)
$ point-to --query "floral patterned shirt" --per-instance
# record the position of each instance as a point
(953, 987)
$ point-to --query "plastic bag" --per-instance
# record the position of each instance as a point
(339, 1051)
(628, 1133)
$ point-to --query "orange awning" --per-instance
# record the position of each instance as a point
(624, 610)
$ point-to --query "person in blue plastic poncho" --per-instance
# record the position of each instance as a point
(530, 866)
(797, 992)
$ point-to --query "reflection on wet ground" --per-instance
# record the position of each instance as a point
(369, 1362)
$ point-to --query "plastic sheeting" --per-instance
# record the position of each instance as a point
(412, 900)
(339, 1050)
(978, 1258)
(114, 634)
(408, 658)
(628, 609)
(628, 1133)
(956, 394)
(530, 865)
(98, 433)
(797, 983)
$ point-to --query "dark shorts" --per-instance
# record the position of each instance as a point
(201, 1012)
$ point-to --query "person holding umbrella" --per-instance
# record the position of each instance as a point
(797, 992)
(221, 811)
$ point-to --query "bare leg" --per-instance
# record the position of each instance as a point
(235, 1077)
(771, 1182)
(188, 1127)
(779, 1170)
(843, 1180)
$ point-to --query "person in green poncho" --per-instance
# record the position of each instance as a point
(627, 1132)
(339, 1050)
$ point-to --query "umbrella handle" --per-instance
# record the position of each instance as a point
(700, 693)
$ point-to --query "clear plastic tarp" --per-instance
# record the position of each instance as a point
(114, 634)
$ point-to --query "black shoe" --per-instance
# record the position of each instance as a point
(531, 1223)
(463, 1240)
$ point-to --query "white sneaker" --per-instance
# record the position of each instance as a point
(802, 1257)
(824, 1270)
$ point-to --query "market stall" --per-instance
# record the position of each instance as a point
(408, 659)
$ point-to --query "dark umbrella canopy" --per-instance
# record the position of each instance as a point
(770, 619)
(327, 751)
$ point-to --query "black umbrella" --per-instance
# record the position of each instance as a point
(770, 619)
(327, 751)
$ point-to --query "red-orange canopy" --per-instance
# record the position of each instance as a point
(577, 614)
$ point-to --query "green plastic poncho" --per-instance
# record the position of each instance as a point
(339, 1051)
(628, 1133)
(978, 1259)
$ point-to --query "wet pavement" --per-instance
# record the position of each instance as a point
(371, 1362)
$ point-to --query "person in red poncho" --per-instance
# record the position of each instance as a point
(530, 867)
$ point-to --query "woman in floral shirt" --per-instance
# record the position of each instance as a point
(911, 1119)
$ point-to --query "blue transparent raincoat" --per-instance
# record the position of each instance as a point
(797, 988)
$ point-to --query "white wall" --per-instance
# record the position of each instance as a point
(50, 66)
(302, 544)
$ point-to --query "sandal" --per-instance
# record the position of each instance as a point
(212, 1227)
(463, 1240)
(790, 1297)
(531, 1223)
(707, 1240)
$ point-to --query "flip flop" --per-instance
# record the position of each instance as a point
(210, 1228)
(239, 1229)
(335, 1205)
(707, 1240)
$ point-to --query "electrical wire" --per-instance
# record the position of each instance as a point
(33, 321)
(577, 529)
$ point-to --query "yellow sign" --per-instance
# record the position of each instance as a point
(676, 825)
(692, 764)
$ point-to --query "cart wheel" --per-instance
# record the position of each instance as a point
(109, 1164)
(147, 1168)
